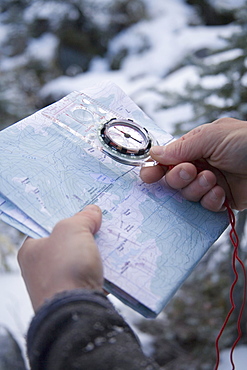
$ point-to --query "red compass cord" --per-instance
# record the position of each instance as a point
(235, 258)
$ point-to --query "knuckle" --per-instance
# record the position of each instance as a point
(24, 255)
(20, 255)
(224, 120)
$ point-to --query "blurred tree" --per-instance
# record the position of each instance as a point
(75, 32)
(221, 87)
(211, 13)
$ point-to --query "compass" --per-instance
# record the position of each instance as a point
(126, 141)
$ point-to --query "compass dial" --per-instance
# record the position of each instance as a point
(125, 140)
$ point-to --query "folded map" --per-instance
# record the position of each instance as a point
(52, 167)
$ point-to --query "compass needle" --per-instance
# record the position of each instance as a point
(135, 139)
(127, 135)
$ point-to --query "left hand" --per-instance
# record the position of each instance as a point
(66, 260)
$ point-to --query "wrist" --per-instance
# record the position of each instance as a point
(40, 296)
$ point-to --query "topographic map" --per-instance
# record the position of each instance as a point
(52, 166)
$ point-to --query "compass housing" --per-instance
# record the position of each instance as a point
(126, 141)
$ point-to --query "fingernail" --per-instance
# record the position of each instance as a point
(203, 181)
(157, 150)
(215, 197)
(184, 175)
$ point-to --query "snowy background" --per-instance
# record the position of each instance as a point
(155, 51)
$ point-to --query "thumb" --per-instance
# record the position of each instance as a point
(190, 147)
(88, 221)
(90, 218)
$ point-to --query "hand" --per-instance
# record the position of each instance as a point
(220, 149)
(67, 259)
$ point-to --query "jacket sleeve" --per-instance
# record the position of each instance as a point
(80, 329)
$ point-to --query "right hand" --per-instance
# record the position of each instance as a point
(221, 145)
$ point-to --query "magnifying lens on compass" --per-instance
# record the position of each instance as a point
(127, 142)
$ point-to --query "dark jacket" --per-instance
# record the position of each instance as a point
(80, 329)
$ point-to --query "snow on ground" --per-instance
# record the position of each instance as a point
(169, 38)
(15, 307)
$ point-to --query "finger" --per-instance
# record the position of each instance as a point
(181, 175)
(152, 174)
(214, 199)
(202, 184)
(87, 221)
